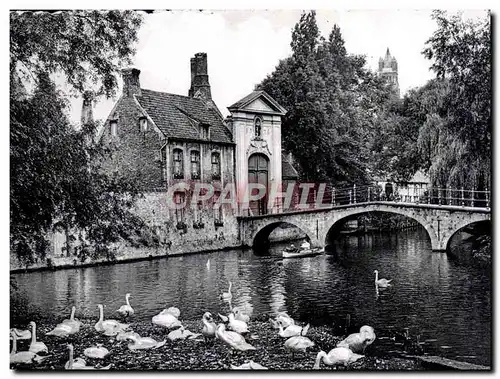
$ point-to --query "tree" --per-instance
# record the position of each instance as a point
(456, 139)
(56, 181)
(331, 101)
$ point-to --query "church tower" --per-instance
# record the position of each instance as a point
(388, 68)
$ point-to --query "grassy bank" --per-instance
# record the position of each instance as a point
(196, 355)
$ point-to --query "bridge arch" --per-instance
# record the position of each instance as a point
(261, 236)
(424, 223)
(462, 225)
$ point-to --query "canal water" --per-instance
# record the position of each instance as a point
(444, 302)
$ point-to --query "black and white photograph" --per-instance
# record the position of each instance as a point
(281, 189)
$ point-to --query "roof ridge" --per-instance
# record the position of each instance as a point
(171, 94)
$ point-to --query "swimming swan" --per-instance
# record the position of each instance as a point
(298, 343)
(182, 334)
(20, 334)
(79, 363)
(72, 321)
(227, 295)
(96, 352)
(381, 282)
(166, 320)
(126, 310)
(144, 343)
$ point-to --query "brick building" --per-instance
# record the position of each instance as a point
(164, 138)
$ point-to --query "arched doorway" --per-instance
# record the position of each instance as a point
(258, 172)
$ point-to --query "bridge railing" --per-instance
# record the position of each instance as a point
(332, 197)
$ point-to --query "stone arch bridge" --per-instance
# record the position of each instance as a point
(440, 221)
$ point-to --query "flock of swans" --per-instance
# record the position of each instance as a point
(347, 351)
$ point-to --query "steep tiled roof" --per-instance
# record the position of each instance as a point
(179, 116)
(288, 171)
(242, 103)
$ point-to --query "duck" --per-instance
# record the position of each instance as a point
(227, 295)
(36, 347)
(23, 356)
(240, 316)
(174, 311)
(381, 282)
(298, 343)
(108, 327)
(293, 330)
(144, 343)
(126, 310)
(72, 321)
(181, 334)
(232, 339)
(249, 366)
(96, 352)
(336, 357)
(209, 326)
(20, 334)
(238, 326)
(358, 342)
(166, 320)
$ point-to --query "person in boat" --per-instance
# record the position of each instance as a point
(305, 245)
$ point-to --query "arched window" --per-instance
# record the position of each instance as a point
(178, 167)
(195, 164)
(257, 127)
(216, 165)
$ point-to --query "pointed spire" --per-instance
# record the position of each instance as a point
(387, 54)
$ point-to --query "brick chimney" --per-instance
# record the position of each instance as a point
(87, 116)
(200, 87)
(131, 83)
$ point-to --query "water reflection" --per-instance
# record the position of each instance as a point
(445, 303)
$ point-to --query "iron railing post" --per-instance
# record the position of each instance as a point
(472, 198)
(487, 198)
(369, 195)
(350, 196)
(354, 191)
(463, 202)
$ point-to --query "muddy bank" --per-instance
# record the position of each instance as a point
(198, 355)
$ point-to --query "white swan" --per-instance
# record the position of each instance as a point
(20, 334)
(126, 310)
(233, 339)
(208, 264)
(144, 343)
(293, 330)
(36, 347)
(80, 363)
(209, 326)
(96, 352)
(23, 356)
(124, 336)
(381, 282)
(174, 311)
(249, 366)
(223, 318)
(298, 343)
(358, 342)
(166, 320)
(338, 356)
(239, 315)
(108, 327)
(237, 325)
(72, 321)
(182, 334)
(61, 330)
(227, 295)
(285, 320)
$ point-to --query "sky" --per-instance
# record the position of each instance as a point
(243, 47)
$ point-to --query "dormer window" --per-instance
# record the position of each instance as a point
(205, 131)
(143, 124)
(257, 127)
(113, 125)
